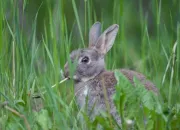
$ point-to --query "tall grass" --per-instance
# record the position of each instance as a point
(31, 61)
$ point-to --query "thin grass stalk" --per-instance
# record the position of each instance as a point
(158, 23)
(114, 20)
(158, 20)
(114, 10)
(78, 21)
(143, 22)
(13, 60)
(1, 20)
(178, 53)
(53, 40)
(18, 43)
(172, 74)
(151, 50)
(166, 70)
(89, 9)
(13, 70)
(107, 101)
(34, 40)
(85, 19)
(122, 31)
(27, 125)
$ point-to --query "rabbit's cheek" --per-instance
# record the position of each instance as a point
(81, 70)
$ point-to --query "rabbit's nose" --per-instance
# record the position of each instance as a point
(66, 70)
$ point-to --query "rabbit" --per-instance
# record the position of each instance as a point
(91, 77)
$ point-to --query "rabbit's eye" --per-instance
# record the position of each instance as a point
(85, 59)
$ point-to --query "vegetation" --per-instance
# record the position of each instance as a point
(36, 37)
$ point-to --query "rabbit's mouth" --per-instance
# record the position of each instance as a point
(67, 73)
(76, 78)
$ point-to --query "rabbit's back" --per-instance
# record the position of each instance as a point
(130, 74)
(100, 90)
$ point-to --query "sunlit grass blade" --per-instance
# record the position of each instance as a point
(78, 21)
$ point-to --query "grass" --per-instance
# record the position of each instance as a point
(31, 62)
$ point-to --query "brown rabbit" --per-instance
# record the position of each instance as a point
(91, 77)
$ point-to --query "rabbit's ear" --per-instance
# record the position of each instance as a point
(94, 34)
(106, 40)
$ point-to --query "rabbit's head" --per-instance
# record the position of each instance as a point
(89, 62)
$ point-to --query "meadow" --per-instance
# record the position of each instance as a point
(36, 37)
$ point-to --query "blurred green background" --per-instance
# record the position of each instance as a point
(159, 18)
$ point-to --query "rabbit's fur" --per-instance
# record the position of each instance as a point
(90, 76)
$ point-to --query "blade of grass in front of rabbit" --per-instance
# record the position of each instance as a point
(60, 82)
(107, 101)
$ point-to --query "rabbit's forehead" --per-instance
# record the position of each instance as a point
(84, 52)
